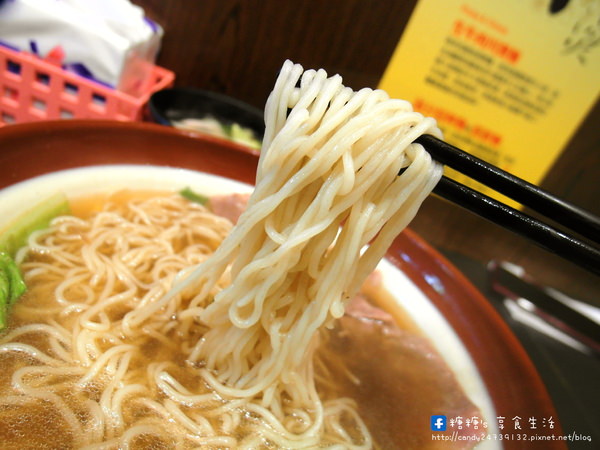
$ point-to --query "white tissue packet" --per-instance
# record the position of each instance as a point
(109, 41)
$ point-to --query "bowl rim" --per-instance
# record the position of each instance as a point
(160, 101)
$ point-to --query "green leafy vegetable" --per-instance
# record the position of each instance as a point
(12, 285)
(4, 292)
(4, 287)
(15, 234)
(241, 135)
(244, 136)
(193, 196)
(16, 284)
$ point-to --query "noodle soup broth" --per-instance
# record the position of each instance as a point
(401, 383)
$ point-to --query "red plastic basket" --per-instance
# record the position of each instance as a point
(33, 89)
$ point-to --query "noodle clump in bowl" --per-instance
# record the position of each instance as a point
(157, 323)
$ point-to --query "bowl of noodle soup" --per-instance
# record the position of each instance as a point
(95, 358)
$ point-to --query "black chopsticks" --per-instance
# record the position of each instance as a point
(563, 213)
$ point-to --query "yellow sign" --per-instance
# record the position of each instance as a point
(508, 81)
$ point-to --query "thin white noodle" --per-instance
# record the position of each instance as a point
(237, 310)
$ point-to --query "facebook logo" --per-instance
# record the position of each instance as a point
(438, 423)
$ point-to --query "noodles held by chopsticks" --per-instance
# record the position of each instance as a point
(330, 158)
(240, 310)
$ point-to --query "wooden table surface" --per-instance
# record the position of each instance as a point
(237, 46)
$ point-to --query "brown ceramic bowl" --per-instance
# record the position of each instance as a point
(515, 388)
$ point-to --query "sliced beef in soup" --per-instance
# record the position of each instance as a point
(229, 206)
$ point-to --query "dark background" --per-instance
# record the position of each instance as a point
(237, 47)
